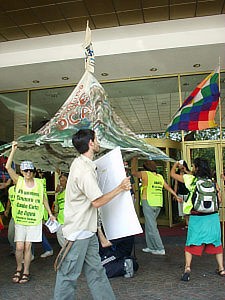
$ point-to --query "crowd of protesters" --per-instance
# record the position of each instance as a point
(78, 198)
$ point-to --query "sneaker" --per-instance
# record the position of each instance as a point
(129, 269)
(47, 253)
(156, 252)
(147, 250)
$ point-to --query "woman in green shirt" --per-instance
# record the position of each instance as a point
(59, 205)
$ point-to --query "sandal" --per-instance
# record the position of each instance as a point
(16, 276)
(186, 275)
(221, 273)
(25, 278)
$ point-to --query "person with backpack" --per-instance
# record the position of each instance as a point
(204, 232)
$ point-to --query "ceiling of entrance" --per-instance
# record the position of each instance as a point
(145, 106)
(24, 19)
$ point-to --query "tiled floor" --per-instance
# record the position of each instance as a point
(158, 277)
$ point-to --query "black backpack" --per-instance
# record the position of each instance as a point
(114, 258)
(205, 198)
(116, 266)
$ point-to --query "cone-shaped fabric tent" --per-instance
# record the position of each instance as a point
(87, 107)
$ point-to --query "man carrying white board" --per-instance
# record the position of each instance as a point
(83, 198)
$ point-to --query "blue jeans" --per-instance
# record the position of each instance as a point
(45, 243)
(83, 255)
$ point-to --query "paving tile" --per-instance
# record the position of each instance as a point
(158, 277)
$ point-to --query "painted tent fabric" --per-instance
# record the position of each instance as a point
(199, 109)
(51, 148)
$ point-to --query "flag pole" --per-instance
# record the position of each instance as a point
(221, 156)
(182, 132)
(220, 111)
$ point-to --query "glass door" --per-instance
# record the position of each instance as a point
(214, 152)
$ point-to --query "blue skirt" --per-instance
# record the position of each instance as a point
(204, 230)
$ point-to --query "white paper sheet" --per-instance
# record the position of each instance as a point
(119, 217)
(53, 226)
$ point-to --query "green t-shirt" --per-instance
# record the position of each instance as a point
(154, 189)
(45, 217)
(11, 194)
(28, 205)
(1, 207)
(188, 181)
(60, 200)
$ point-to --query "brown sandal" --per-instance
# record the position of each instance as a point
(16, 277)
(25, 278)
(221, 273)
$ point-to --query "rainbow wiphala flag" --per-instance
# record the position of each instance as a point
(199, 109)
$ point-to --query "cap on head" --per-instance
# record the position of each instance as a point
(150, 165)
(25, 165)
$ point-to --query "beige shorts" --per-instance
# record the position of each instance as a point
(25, 233)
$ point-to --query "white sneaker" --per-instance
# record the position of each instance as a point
(129, 268)
(147, 250)
(47, 253)
(156, 252)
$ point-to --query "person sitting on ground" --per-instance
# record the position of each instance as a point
(204, 232)
(117, 259)
(27, 212)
